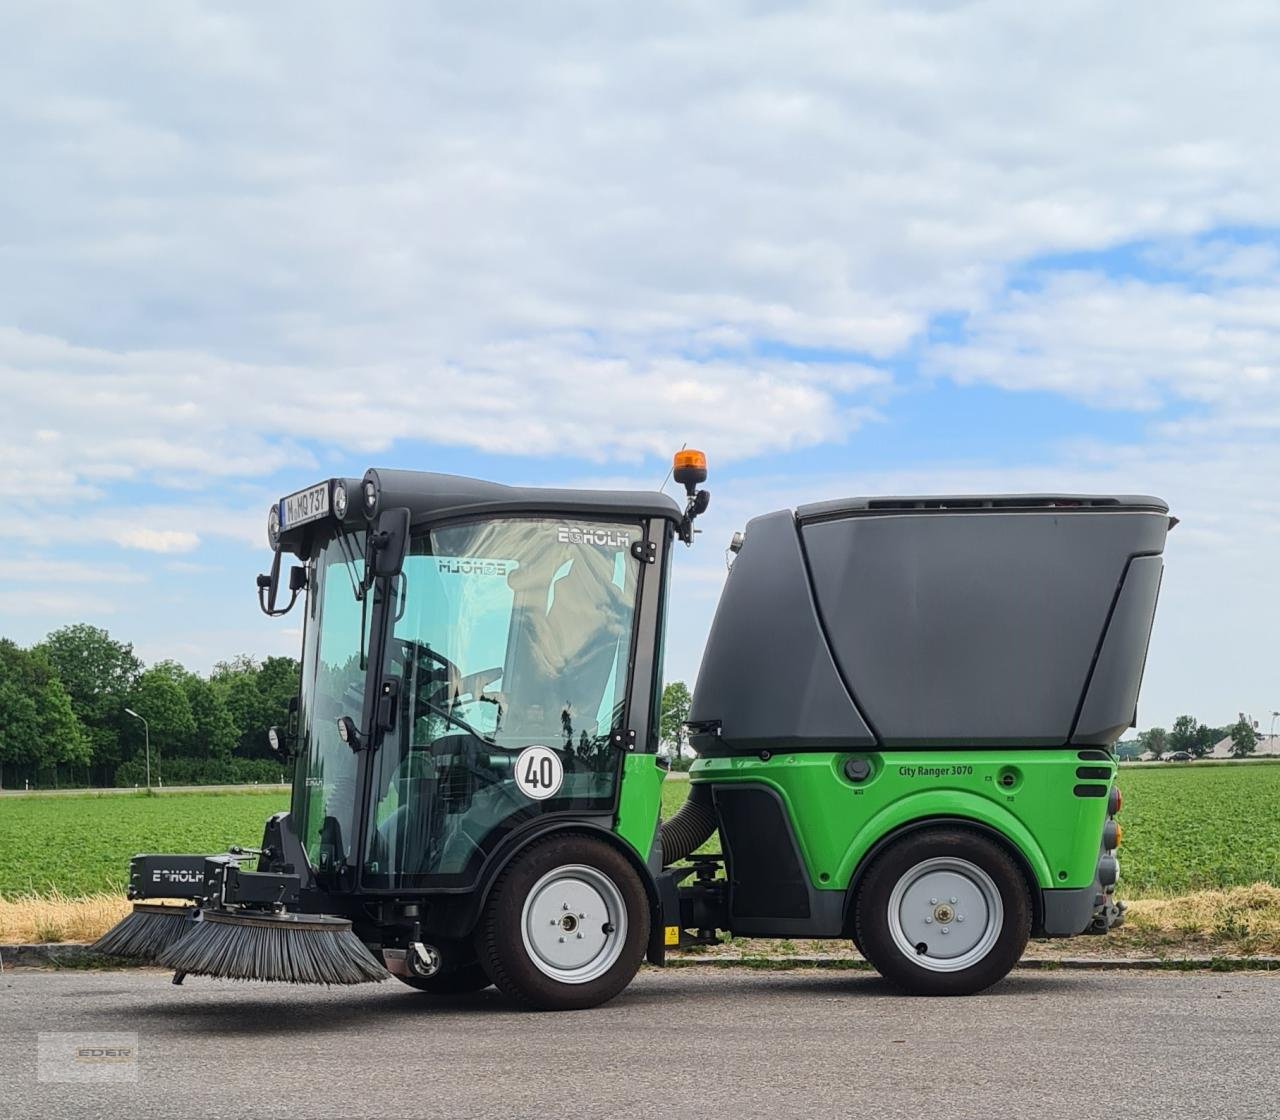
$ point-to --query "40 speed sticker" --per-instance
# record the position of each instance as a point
(539, 772)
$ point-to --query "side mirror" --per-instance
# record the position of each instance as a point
(269, 587)
(388, 544)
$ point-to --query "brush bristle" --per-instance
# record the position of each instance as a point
(296, 949)
(146, 933)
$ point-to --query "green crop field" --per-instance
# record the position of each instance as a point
(1185, 828)
(80, 845)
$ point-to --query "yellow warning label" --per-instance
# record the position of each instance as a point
(672, 936)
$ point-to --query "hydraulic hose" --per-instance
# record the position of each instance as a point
(689, 828)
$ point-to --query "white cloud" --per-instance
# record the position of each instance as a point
(155, 540)
(234, 231)
(1127, 343)
(36, 569)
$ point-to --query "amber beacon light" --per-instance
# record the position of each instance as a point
(689, 468)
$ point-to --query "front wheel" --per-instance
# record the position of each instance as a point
(943, 912)
(566, 925)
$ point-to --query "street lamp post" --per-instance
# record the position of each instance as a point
(146, 732)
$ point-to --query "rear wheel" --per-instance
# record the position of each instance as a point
(566, 925)
(943, 912)
(454, 982)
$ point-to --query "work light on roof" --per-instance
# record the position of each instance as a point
(370, 496)
(340, 499)
(273, 527)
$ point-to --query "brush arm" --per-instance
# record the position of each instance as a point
(167, 876)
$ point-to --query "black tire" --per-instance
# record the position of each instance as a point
(1004, 932)
(455, 982)
(501, 941)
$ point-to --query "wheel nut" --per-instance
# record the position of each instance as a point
(933, 902)
(953, 902)
(928, 921)
(959, 917)
(944, 930)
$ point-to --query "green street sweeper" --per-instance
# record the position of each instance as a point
(903, 721)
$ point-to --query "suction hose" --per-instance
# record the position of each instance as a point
(688, 830)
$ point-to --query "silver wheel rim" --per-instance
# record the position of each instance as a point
(574, 924)
(945, 914)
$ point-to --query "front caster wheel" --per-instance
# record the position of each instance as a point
(566, 925)
(943, 912)
(455, 982)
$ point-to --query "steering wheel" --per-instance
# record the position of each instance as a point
(443, 682)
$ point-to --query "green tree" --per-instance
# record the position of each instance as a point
(38, 728)
(675, 710)
(163, 703)
(1155, 740)
(215, 731)
(98, 674)
(1244, 737)
(1192, 736)
(256, 696)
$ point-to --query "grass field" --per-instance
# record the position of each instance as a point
(81, 845)
(1186, 828)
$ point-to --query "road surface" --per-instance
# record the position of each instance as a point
(689, 1042)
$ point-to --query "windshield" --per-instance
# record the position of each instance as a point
(333, 680)
(508, 634)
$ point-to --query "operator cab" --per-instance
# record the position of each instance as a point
(476, 657)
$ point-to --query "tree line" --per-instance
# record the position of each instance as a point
(64, 715)
(1191, 736)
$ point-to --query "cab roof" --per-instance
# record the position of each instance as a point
(433, 497)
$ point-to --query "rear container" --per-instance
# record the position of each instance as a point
(904, 622)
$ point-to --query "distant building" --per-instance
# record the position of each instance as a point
(1268, 747)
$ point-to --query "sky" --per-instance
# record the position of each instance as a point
(843, 248)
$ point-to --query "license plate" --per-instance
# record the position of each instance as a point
(306, 505)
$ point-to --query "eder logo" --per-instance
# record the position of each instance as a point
(597, 535)
(105, 1054)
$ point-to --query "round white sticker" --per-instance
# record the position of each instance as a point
(539, 772)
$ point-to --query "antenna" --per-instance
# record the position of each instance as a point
(667, 477)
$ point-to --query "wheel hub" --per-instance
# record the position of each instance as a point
(574, 923)
(945, 914)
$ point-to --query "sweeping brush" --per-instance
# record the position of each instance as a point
(147, 932)
(296, 948)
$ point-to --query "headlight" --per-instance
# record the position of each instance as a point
(273, 528)
(340, 500)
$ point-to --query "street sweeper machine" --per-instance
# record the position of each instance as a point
(903, 721)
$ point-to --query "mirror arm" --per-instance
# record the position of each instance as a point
(269, 589)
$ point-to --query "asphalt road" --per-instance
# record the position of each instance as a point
(696, 1042)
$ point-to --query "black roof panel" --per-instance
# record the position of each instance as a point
(960, 503)
(431, 497)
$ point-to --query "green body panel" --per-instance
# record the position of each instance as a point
(837, 821)
(639, 802)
